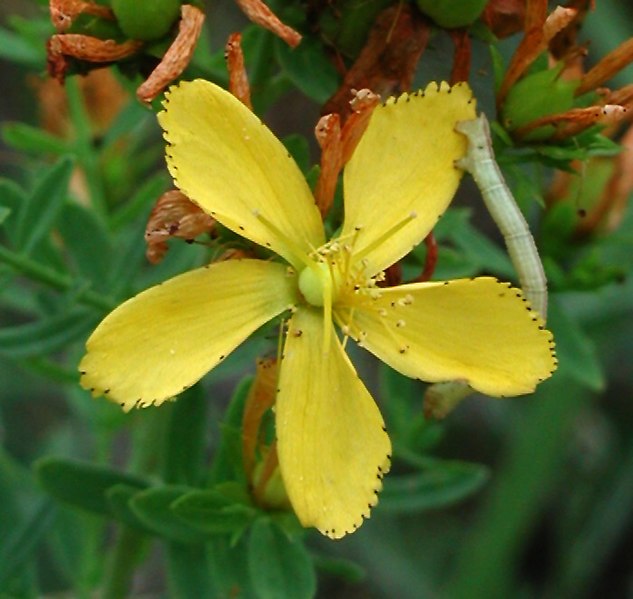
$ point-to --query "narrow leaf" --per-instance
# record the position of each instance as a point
(436, 487)
(46, 335)
(87, 242)
(213, 511)
(81, 484)
(12, 198)
(15, 48)
(186, 442)
(153, 509)
(27, 138)
(43, 205)
(576, 351)
(308, 68)
(279, 566)
(118, 498)
(188, 572)
(19, 546)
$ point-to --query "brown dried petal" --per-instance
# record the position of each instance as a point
(388, 60)
(574, 121)
(174, 215)
(84, 47)
(178, 55)
(565, 42)
(261, 397)
(64, 12)
(362, 105)
(462, 57)
(103, 97)
(535, 14)
(338, 144)
(622, 96)
(607, 67)
(238, 78)
(260, 14)
(504, 17)
(328, 134)
(536, 39)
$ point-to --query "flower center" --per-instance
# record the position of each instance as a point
(315, 283)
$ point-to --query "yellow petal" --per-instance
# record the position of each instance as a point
(332, 445)
(403, 166)
(162, 341)
(479, 331)
(227, 161)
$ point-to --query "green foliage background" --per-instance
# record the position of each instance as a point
(529, 497)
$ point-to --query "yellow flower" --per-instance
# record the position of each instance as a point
(332, 444)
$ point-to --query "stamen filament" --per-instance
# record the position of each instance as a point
(345, 326)
(299, 255)
(384, 237)
(327, 312)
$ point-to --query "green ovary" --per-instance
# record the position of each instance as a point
(314, 282)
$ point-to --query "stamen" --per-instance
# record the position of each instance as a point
(384, 237)
(327, 312)
(346, 327)
(299, 255)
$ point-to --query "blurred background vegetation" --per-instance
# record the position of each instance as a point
(528, 497)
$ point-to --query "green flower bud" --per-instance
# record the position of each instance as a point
(452, 13)
(535, 96)
(146, 20)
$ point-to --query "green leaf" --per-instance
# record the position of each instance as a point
(81, 484)
(279, 566)
(403, 412)
(485, 255)
(498, 65)
(342, 568)
(228, 464)
(15, 48)
(186, 441)
(217, 510)
(228, 567)
(448, 14)
(12, 198)
(4, 213)
(119, 497)
(140, 202)
(346, 25)
(43, 206)
(575, 350)
(19, 545)
(188, 572)
(308, 68)
(153, 508)
(445, 483)
(27, 138)
(46, 335)
(87, 242)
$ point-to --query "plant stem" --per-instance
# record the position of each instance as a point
(38, 272)
(124, 555)
(86, 154)
(123, 562)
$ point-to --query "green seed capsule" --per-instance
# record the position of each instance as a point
(146, 21)
(452, 13)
